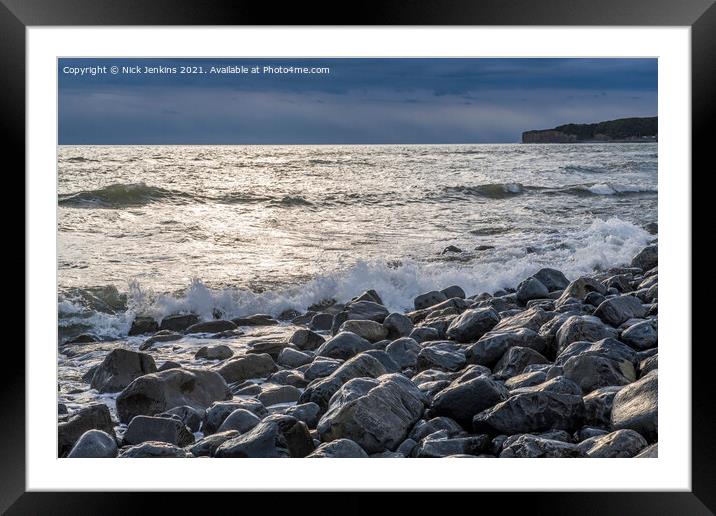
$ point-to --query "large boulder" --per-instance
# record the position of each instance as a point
(157, 392)
(119, 368)
(290, 357)
(154, 450)
(321, 367)
(216, 326)
(558, 385)
(552, 279)
(429, 299)
(579, 288)
(265, 440)
(514, 361)
(309, 413)
(375, 413)
(636, 407)
(463, 401)
(491, 347)
(143, 324)
(162, 429)
(582, 327)
(339, 449)
(446, 356)
(398, 325)
(275, 394)
(343, 346)
(94, 444)
(532, 446)
(641, 336)
(190, 416)
(598, 406)
(159, 337)
(607, 348)
(532, 412)
(306, 340)
(218, 352)
(241, 420)
(531, 288)
(622, 443)
(472, 324)
(92, 417)
(445, 447)
(647, 258)
(321, 391)
(206, 446)
(591, 372)
(219, 411)
(246, 367)
(179, 322)
(617, 310)
(366, 310)
(369, 330)
(404, 352)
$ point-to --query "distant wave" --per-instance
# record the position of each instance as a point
(120, 196)
(606, 189)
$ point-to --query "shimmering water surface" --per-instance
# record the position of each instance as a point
(247, 229)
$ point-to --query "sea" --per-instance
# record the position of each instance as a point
(226, 231)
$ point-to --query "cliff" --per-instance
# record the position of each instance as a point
(621, 130)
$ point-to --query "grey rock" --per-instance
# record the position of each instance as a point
(598, 406)
(218, 412)
(636, 407)
(274, 395)
(288, 377)
(607, 348)
(650, 452)
(552, 279)
(381, 356)
(579, 288)
(514, 361)
(369, 330)
(295, 433)
(640, 336)
(622, 443)
(491, 347)
(587, 432)
(246, 367)
(591, 372)
(240, 420)
(369, 295)
(446, 426)
(620, 309)
(268, 345)
(398, 325)
(437, 448)
(453, 291)
(119, 368)
(321, 367)
(463, 401)
(424, 334)
(92, 417)
(142, 325)
(264, 441)
(441, 355)
(531, 446)
(584, 327)
(162, 429)
(648, 365)
(375, 413)
(472, 324)
(216, 326)
(153, 449)
(594, 299)
(189, 416)
(169, 364)
(94, 444)
(178, 322)
(366, 310)
(557, 384)
(255, 320)
(321, 322)
(206, 446)
(157, 392)
(309, 413)
(532, 412)
(429, 299)
(647, 258)
(339, 449)
(343, 346)
(290, 357)
(404, 352)
(306, 340)
(219, 352)
(526, 379)
(531, 288)
(160, 337)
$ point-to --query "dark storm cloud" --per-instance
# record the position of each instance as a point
(360, 101)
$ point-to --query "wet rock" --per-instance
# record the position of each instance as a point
(119, 368)
(142, 325)
(594, 298)
(151, 449)
(94, 444)
(339, 449)
(453, 291)
(424, 334)
(647, 258)
(263, 441)
(436, 448)
(598, 406)
(552, 279)
(532, 412)
(271, 346)
(255, 320)
(218, 412)
(321, 367)
(429, 299)
(443, 426)
(369, 295)
(607, 348)
(381, 356)
(306, 340)
(274, 395)
(635, 407)
(219, 352)
(321, 391)
(587, 432)
(557, 384)
(159, 337)
(648, 365)
(591, 372)
(309, 413)
(472, 324)
(84, 338)
(157, 392)
(463, 401)
(531, 446)
(582, 328)
(579, 288)
(321, 322)
(162, 429)
(215, 326)
(526, 379)
(343, 346)
(293, 358)
(296, 434)
(206, 447)
(404, 352)
(246, 367)
(514, 361)
(441, 355)
(622, 443)
(375, 413)
(169, 365)
(288, 377)
(620, 309)
(189, 416)
(491, 347)
(640, 336)
(369, 330)
(451, 249)
(178, 322)
(398, 325)
(650, 452)
(92, 417)
(240, 420)
(531, 288)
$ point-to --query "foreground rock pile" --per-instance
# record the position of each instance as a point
(551, 368)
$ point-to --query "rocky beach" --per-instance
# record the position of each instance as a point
(555, 366)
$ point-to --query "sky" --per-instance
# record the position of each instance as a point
(356, 101)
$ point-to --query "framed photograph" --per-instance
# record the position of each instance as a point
(434, 230)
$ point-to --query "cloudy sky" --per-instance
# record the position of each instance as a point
(359, 101)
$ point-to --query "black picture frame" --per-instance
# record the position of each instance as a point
(17, 15)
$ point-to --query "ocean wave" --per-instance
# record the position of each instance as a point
(606, 189)
(120, 196)
(601, 244)
(490, 190)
